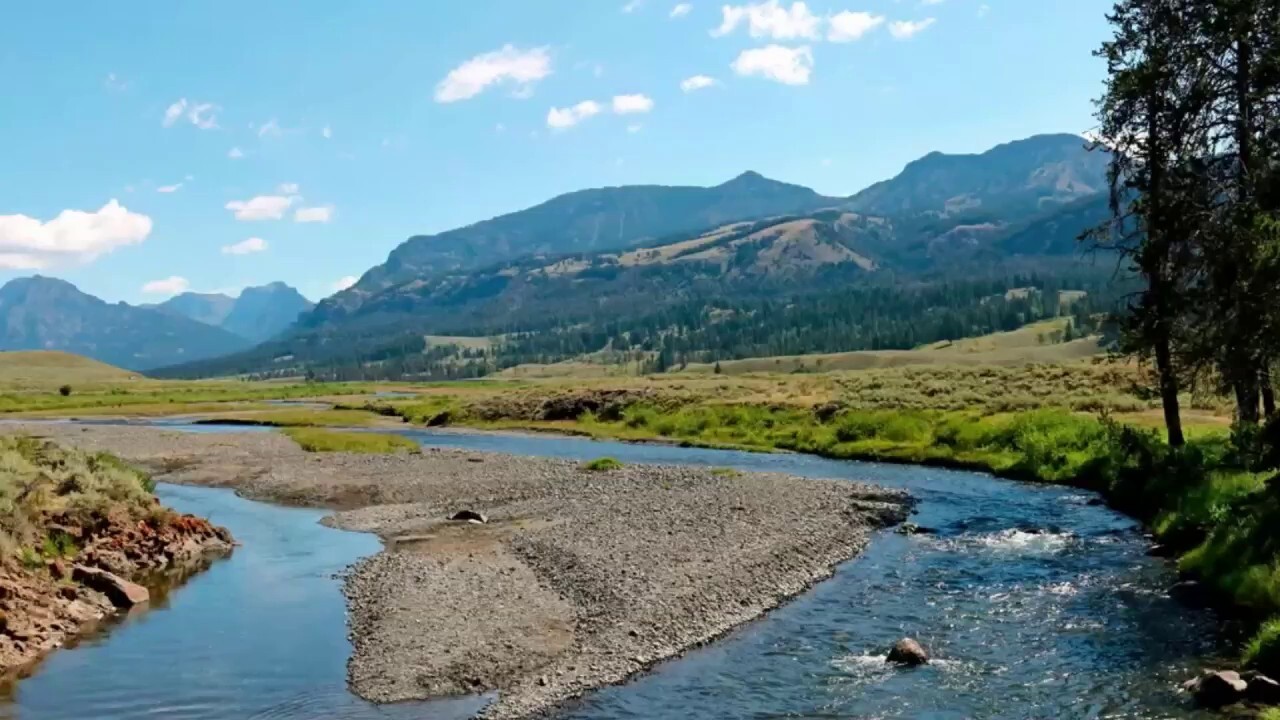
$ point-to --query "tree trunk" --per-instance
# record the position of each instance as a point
(1247, 402)
(1169, 392)
(1268, 391)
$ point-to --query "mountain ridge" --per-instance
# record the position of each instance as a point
(44, 313)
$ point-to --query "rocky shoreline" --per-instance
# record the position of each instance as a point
(578, 579)
(45, 606)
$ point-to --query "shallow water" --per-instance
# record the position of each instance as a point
(1035, 604)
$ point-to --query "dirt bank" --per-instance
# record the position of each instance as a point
(578, 580)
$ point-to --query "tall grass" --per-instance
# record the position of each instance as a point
(43, 483)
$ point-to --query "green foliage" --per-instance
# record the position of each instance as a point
(725, 472)
(1263, 650)
(604, 464)
(321, 440)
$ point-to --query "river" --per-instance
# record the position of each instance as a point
(1035, 602)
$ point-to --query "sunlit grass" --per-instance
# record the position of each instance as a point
(322, 440)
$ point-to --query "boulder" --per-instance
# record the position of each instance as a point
(907, 652)
(1217, 688)
(1262, 689)
(470, 516)
(914, 529)
(1191, 593)
(122, 593)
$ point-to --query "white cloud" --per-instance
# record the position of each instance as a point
(790, 66)
(907, 29)
(262, 207)
(344, 283)
(74, 236)
(510, 64)
(681, 10)
(288, 188)
(697, 82)
(770, 19)
(984, 10)
(114, 83)
(174, 112)
(317, 214)
(932, 2)
(171, 285)
(235, 153)
(270, 128)
(326, 132)
(562, 118)
(201, 114)
(850, 26)
(632, 6)
(628, 104)
(169, 188)
(245, 247)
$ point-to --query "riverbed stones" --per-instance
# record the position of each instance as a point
(122, 593)
(470, 516)
(1262, 689)
(1218, 688)
(907, 652)
(539, 603)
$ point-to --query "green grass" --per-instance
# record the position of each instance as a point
(322, 440)
(604, 464)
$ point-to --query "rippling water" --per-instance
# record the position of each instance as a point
(1035, 604)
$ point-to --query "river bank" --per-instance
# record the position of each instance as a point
(81, 530)
(579, 579)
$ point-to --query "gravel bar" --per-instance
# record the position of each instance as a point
(578, 580)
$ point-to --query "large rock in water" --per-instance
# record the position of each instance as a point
(1217, 688)
(908, 652)
(122, 593)
(1262, 689)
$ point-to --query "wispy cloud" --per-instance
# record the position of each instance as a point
(261, 207)
(170, 188)
(507, 65)
(235, 153)
(631, 104)
(632, 6)
(770, 20)
(787, 65)
(907, 29)
(851, 26)
(203, 115)
(564, 118)
(697, 82)
(681, 10)
(245, 247)
(317, 214)
(171, 285)
(343, 283)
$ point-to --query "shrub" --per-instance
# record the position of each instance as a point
(65, 391)
(604, 464)
(1263, 650)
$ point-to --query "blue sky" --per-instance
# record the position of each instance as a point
(151, 147)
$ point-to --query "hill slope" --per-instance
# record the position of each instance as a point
(40, 313)
(595, 220)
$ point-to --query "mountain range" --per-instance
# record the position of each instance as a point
(257, 314)
(619, 258)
